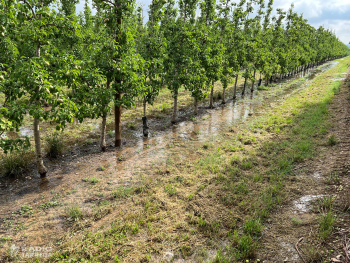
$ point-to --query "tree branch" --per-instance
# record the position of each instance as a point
(109, 2)
(31, 8)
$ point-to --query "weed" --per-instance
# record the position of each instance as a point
(185, 251)
(246, 164)
(333, 178)
(92, 180)
(257, 178)
(296, 221)
(16, 163)
(110, 133)
(240, 188)
(170, 190)
(89, 142)
(4, 239)
(190, 196)
(336, 87)
(332, 140)
(325, 203)
(245, 247)
(123, 192)
(74, 213)
(132, 125)
(235, 160)
(54, 145)
(263, 88)
(50, 204)
(312, 254)
(221, 258)
(102, 168)
(194, 118)
(253, 227)
(215, 227)
(206, 145)
(201, 222)
(326, 224)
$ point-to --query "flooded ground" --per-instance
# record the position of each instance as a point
(67, 179)
(173, 143)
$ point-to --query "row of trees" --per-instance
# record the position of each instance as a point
(85, 65)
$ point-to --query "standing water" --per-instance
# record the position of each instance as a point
(175, 143)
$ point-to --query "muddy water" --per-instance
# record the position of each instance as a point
(178, 142)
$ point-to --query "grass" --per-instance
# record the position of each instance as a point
(327, 222)
(233, 204)
(16, 163)
(50, 205)
(54, 145)
(123, 192)
(91, 180)
(170, 190)
(253, 227)
(332, 140)
(74, 213)
(325, 203)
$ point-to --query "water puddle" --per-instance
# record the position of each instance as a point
(178, 142)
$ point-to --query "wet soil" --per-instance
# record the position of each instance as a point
(129, 165)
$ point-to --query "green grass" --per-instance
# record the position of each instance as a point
(54, 145)
(91, 180)
(74, 213)
(167, 210)
(170, 190)
(16, 163)
(253, 227)
(123, 192)
(50, 205)
(327, 222)
(332, 140)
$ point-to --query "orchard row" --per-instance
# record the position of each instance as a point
(82, 66)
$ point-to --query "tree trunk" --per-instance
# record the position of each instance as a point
(103, 133)
(174, 109)
(144, 120)
(39, 155)
(224, 92)
(235, 89)
(118, 122)
(252, 89)
(212, 96)
(195, 106)
(245, 83)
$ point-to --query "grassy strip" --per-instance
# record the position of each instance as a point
(216, 202)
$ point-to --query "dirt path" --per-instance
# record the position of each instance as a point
(325, 176)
